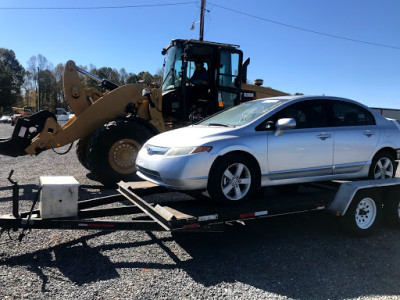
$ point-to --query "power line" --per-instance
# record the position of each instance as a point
(98, 7)
(307, 30)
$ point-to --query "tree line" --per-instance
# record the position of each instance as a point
(20, 87)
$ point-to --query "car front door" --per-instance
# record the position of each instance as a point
(356, 136)
(306, 150)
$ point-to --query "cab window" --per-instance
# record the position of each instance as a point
(192, 67)
(228, 69)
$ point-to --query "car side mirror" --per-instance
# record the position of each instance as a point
(283, 124)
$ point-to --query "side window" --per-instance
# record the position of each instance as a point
(191, 67)
(307, 114)
(228, 68)
(348, 114)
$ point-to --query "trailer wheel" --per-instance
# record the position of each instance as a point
(113, 149)
(382, 166)
(363, 214)
(81, 150)
(233, 178)
(391, 212)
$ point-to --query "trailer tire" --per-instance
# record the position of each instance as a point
(112, 151)
(363, 215)
(391, 212)
(81, 150)
(382, 166)
(245, 181)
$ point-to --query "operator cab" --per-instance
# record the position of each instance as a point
(200, 79)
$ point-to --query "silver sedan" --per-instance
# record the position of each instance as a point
(273, 141)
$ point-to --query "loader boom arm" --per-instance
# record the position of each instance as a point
(92, 109)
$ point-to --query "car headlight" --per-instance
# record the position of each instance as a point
(187, 150)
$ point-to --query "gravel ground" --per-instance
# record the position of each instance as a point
(293, 257)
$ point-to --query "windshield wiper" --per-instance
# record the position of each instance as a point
(219, 124)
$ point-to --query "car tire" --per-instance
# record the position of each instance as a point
(113, 149)
(382, 166)
(233, 178)
(391, 212)
(81, 150)
(363, 215)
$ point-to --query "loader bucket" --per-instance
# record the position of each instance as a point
(25, 130)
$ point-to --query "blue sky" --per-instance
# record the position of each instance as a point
(288, 59)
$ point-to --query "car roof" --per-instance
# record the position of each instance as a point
(297, 98)
(306, 97)
(285, 101)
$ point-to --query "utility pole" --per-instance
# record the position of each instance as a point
(38, 91)
(203, 7)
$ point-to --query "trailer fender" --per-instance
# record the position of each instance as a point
(347, 191)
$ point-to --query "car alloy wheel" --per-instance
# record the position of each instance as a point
(236, 181)
(383, 169)
(382, 166)
(233, 178)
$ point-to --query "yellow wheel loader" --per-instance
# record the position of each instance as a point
(111, 127)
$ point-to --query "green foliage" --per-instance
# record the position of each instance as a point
(48, 90)
(146, 77)
(104, 73)
(21, 88)
(132, 78)
(11, 78)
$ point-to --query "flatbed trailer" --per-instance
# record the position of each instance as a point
(359, 204)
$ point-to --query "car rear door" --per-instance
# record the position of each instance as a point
(356, 136)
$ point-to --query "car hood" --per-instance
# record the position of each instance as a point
(191, 136)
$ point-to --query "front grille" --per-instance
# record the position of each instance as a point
(149, 173)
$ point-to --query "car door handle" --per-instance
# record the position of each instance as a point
(324, 136)
(369, 133)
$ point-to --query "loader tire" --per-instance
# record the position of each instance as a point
(113, 149)
(81, 150)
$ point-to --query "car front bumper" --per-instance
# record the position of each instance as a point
(187, 172)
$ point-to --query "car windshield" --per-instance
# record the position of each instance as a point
(242, 114)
